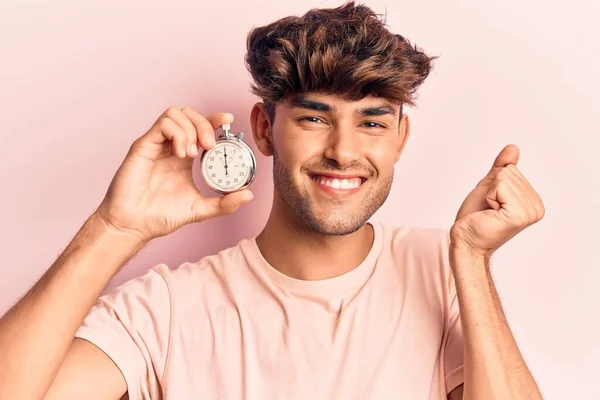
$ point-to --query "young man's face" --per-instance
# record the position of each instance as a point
(333, 160)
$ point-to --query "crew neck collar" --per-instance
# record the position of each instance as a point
(329, 287)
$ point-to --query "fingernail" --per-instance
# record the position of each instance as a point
(194, 149)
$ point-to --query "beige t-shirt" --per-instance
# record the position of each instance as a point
(231, 327)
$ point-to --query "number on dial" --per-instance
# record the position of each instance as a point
(227, 166)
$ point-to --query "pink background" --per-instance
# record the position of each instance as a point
(81, 80)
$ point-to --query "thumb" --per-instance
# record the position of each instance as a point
(508, 155)
(216, 206)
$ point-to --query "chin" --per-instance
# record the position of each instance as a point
(334, 222)
(329, 208)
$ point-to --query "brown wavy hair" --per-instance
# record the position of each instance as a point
(346, 51)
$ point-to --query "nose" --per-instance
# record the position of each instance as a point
(343, 146)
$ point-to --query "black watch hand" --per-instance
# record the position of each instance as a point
(226, 172)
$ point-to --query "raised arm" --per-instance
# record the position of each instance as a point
(502, 205)
(151, 195)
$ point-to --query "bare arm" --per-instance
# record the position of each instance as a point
(37, 333)
(152, 194)
(501, 205)
(87, 373)
(494, 367)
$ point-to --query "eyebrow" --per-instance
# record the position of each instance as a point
(378, 110)
(307, 103)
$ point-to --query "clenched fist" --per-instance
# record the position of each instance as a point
(500, 206)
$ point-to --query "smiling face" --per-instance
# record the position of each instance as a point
(333, 159)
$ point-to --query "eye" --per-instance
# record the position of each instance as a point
(311, 119)
(371, 124)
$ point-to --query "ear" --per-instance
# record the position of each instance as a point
(261, 129)
(403, 133)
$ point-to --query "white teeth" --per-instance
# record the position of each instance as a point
(348, 184)
(343, 184)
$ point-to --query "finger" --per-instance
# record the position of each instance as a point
(505, 174)
(191, 143)
(533, 199)
(521, 190)
(170, 130)
(155, 134)
(218, 119)
(205, 134)
(205, 127)
(520, 186)
(502, 197)
(508, 155)
(519, 177)
(217, 206)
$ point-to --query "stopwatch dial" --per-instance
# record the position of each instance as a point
(227, 166)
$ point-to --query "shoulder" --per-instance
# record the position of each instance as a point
(215, 264)
(213, 275)
(420, 255)
(417, 242)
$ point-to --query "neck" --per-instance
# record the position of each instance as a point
(296, 250)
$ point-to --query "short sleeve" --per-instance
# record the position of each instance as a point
(131, 324)
(454, 349)
(453, 336)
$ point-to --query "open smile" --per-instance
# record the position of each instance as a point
(338, 184)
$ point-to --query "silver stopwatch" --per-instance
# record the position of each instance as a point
(230, 165)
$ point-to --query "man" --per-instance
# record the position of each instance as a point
(322, 304)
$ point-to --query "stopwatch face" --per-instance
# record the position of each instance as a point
(228, 166)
